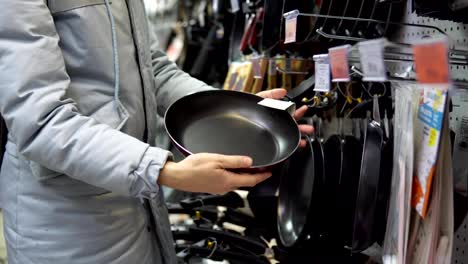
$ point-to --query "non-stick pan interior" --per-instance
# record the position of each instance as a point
(232, 123)
(295, 196)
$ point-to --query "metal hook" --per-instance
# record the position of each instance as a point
(215, 246)
(368, 91)
(374, 21)
(290, 72)
(359, 100)
(334, 36)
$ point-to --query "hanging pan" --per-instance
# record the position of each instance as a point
(367, 197)
(300, 196)
(342, 167)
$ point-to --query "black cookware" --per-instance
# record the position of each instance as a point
(232, 123)
(333, 152)
(348, 188)
(370, 178)
(230, 199)
(342, 167)
(385, 182)
(199, 233)
(300, 198)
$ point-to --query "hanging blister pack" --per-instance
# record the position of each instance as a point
(432, 71)
(397, 230)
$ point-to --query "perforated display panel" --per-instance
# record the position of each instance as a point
(456, 32)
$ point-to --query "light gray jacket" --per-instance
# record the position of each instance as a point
(76, 168)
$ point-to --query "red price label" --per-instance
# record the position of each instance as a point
(431, 62)
(339, 63)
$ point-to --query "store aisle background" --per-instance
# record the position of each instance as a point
(2, 241)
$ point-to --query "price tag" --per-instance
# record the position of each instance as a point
(291, 26)
(322, 73)
(272, 67)
(290, 107)
(372, 61)
(338, 57)
(431, 61)
(232, 81)
(235, 6)
(257, 67)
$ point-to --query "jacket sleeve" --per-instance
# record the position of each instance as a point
(171, 82)
(46, 125)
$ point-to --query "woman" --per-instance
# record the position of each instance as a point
(80, 87)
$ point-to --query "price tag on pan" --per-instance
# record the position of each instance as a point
(322, 73)
(291, 26)
(339, 63)
(372, 60)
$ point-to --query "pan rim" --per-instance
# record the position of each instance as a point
(260, 166)
(304, 229)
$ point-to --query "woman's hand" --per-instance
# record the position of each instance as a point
(280, 93)
(209, 173)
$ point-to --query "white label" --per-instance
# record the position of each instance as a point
(290, 26)
(235, 6)
(322, 73)
(291, 29)
(272, 67)
(290, 107)
(257, 67)
(372, 61)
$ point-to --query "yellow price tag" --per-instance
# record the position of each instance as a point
(432, 137)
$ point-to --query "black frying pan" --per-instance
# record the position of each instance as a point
(367, 198)
(348, 187)
(232, 123)
(299, 197)
(333, 151)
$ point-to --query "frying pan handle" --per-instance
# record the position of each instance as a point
(206, 213)
(230, 199)
(219, 254)
(304, 90)
(240, 241)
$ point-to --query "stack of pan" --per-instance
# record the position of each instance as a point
(337, 193)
